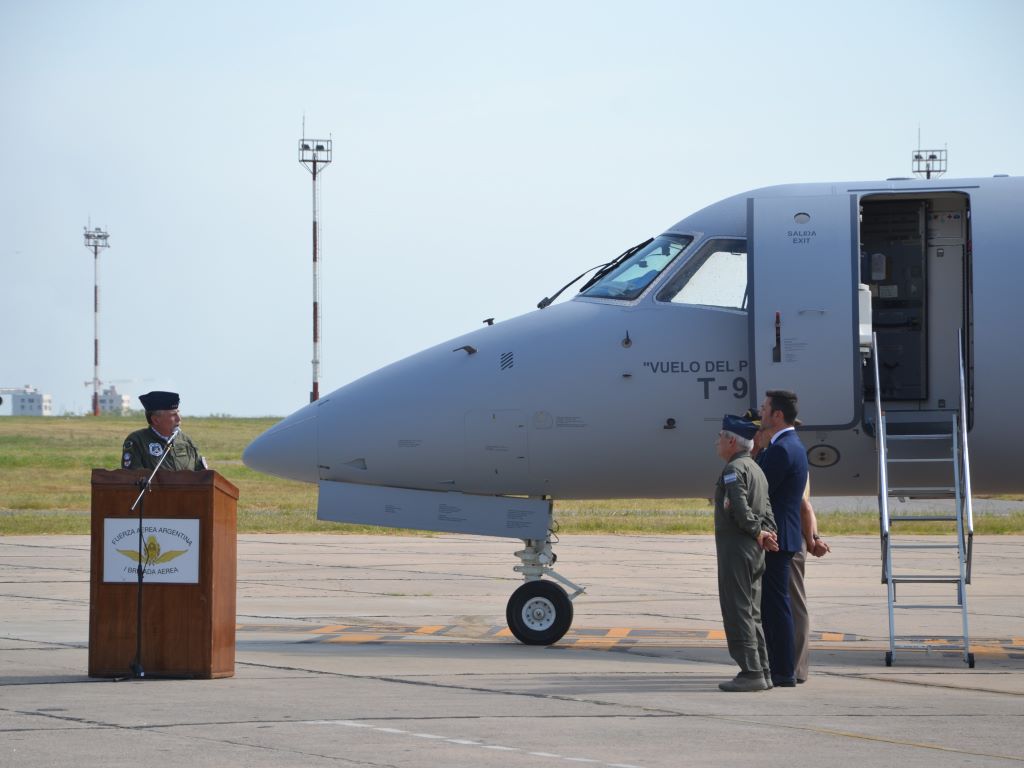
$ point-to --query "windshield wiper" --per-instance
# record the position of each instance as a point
(546, 301)
(615, 262)
(603, 269)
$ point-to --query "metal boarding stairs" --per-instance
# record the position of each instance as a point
(904, 447)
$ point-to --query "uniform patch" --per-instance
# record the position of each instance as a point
(729, 478)
(155, 449)
(126, 460)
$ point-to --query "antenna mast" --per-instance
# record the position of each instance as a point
(315, 155)
(96, 239)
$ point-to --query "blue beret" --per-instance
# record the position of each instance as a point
(739, 426)
(159, 401)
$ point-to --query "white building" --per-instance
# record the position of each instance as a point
(112, 401)
(28, 401)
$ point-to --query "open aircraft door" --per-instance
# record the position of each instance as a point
(803, 274)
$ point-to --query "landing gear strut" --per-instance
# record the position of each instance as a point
(540, 612)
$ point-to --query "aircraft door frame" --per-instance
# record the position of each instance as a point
(803, 315)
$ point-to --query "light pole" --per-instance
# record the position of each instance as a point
(315, 155)
(95, 239)
(929, 161)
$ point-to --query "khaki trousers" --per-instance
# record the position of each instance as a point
(798, 606)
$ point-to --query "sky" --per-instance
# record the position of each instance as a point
(484, 154)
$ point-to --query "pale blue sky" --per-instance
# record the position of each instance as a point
(484, 154)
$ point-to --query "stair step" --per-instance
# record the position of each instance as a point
(921, 491)
(929, 606)
(930, 646)
(924, 546)
(934, 436)
(922, 518)
(946, 459)
(932, 578)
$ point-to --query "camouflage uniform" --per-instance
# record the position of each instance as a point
(143, 449)
(742, 511)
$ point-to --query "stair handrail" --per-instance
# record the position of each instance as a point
(883, 474)
(968, 511)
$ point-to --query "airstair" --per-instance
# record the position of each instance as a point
(913, 445)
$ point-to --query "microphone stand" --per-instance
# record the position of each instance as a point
(137, 671)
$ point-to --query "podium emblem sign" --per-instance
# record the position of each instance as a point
(170, 550)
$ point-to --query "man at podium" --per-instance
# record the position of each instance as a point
(144, 448)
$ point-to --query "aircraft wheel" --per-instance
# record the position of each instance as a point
(888, 658)
(970, 660)
(539, 613)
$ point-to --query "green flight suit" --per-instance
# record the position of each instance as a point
(742, 511)
(143, 449)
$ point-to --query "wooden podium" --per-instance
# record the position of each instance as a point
(188, 593)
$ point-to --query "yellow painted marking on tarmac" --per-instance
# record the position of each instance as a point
(610, 638)
(430, 630)
(985, 650)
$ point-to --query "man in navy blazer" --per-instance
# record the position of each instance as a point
(784, 463)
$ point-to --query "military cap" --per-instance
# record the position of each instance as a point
(159, 401)
(739, 426)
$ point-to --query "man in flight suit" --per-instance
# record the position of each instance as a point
(744, 528)
(143, 448)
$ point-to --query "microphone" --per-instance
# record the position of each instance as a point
(174, 435)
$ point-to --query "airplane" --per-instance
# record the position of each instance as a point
(619, 392)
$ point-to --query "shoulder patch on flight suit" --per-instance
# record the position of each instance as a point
(729, 478)
(126, 460)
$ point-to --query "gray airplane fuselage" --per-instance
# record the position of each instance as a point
(611, 395)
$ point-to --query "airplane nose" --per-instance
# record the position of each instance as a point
(288, 449)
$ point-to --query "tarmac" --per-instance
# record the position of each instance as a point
(393, 651)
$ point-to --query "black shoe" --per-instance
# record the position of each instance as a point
(779, 683)
(800, 681)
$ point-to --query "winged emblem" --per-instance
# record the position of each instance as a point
(152, 553)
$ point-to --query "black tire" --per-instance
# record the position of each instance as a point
(539, 613)
(970, 660)
(888, 658)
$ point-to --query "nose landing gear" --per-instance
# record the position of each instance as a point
(540, 612)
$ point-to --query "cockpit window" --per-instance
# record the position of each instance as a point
(715, 277)
(631, 277)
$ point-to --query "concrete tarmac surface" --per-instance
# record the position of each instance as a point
(393, 651)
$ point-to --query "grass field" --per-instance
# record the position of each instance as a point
(45, 466)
